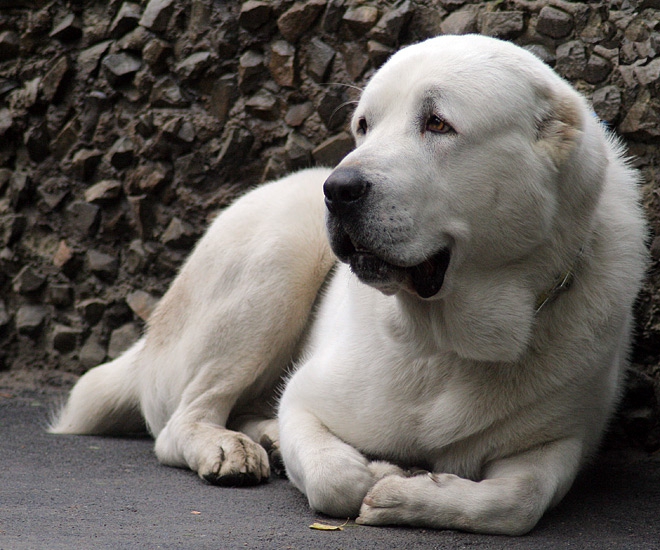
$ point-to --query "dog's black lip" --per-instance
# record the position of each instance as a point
(426, 278)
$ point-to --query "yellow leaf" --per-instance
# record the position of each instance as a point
(326, 527)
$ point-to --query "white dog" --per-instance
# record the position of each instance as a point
(499, 235)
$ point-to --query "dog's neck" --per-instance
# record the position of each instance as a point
(562, 283)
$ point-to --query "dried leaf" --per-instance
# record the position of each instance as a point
(327, 527)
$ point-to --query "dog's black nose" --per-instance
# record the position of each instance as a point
(344, 188)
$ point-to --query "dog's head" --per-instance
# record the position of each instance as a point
(461, 143)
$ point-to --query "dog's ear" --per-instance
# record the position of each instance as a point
(559, 129)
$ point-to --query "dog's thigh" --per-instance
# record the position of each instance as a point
(510, 499)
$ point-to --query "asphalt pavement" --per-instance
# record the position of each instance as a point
(84, 492)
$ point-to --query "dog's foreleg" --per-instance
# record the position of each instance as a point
(512, 497)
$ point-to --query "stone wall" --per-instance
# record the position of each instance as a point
(124, 126)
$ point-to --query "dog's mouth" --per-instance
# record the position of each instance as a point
(424, 279)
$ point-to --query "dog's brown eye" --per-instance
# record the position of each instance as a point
(436, 125)
(362, 126)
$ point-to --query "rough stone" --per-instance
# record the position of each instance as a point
(235, 146)
(5, 318)
(167, 93)
(120, 68)
(104, 266)
(648, 74)
(250, 71)
(28, 280)
(60, 295)
(319, 59)
(463, 21)
(297, 114)
(597, 69)
(155, 54)
(141, 303)
(92, 353)
(126, 20)
(388, 29)
(607, 103)
(30, 319)
(179, 234)
(88, 59)
(355, 59)
(505, 25)
(122, 338)
(65, 339)
(571, 59)
(254, 14)
(643, 118)
(361, 19)
(332, 109)
(298, 19)
(103, 192)
(333, 150)
(53, 79)
(12, 227)
(37, 142)
(554, 22)
(92, 310)
(84, 163)
(282, 63)
(68, 29)
(122, 153)
(9, 45)
(298, 151)
(157, 15)
(262, 105)
(193, 66)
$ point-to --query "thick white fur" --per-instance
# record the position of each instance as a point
(500, 403)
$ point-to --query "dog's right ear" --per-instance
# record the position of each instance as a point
(559, 130)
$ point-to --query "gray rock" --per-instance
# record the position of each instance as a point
(298, 19)
(597, 69)
(83, 218)
(12, 227)
(643, 119)
(92, 310)
(254, 14)
(68, 29)
(355, 59)
(251, 70)
(28, 281)
(157, 15)
(236, 144)
(141, 303)
(65, 339)
(103, 192)
(193, 66)
(126, 20)
(122, 153)
(179, 234)
(463, 21)
(9, 45)
(263, 105)
(332, 109)
(359, 20)
(84, 163)
(648, 74)
(37, 142)
(503, 24)
(607, 103)
(378, 53)
(319, 59)
(92, 353)
(104, 266)
(167, 93)
(122, 338)
(30, 319)
(120, 68)
(137, 257)
(54, 78)
(554, 22)
(88, 59)
(389, 27)
(60, 295)
(282, 63)
(297, 114)
(298, 151)
(333, 150)
(4, 315)
(571, 59)
(155, 54)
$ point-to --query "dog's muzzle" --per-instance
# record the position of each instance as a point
(345, 192)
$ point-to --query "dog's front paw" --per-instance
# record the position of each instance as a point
(392, 500)
(234, 460)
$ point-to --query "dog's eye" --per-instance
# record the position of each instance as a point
(362, 126)
(438, 126)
